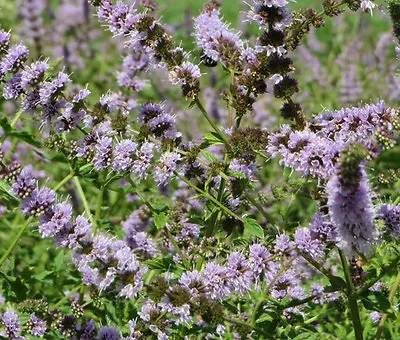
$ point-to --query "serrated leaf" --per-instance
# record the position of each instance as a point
(376, 301)
(211, 138)
(208, 156)
(4, 187)
(113, 178)
(163, 263)
(16, 285)
(160, 220)
(5, 194)
(23, 135)
(159, 203)
(42, 275)
(264, 318)
(111, 311)
(26, 137)
(241, 242)
(252, 228)
(337, 282)
(236, 174)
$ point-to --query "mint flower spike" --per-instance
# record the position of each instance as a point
(12, 325)
(390, 215)
(215, 39)
(350, 204)
(37, 326)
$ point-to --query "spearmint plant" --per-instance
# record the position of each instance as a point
(178, 176)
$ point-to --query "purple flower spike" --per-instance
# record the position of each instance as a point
(58, 218)
(109, 333)
(33, 74)
(390, 215)
(14, 59)
(37, 326)
(38, 202)
(4, 41)
(305, 243)
(12, 325)
(352, 214)
(168, 165)
(123, 153)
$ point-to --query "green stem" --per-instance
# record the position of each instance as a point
(87, 303)
(257, 205)
(28, 221)
(211, 228)
(383, 272)
(352, 298)
(317, 266)
(257, 307)
(169, 235)
(66, 297)
(229, 106)
(392, 293)
(15, 241)
(84, 200)
(211, 198)
(65, 180)
(98, 208)
(319, 15)
(210, 121)
(177, 249)
(242, 323)
(311, 320)
(16, 118)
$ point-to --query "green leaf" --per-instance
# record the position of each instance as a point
(160, 220)
(9, 278)
(192, 103)
(59, 261)
(252, 228)
(211, 138)
(26, 137)
(113, 178)
(16, 285)
(5, 195)
(208, 156)
(236, 174)
(42, 275)
(337, 282)
(111, 311)
(23, 135)
(5, 125)
(159, 203)
(4, 187)
(264, 318)
(376, 301)
(163, 263)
